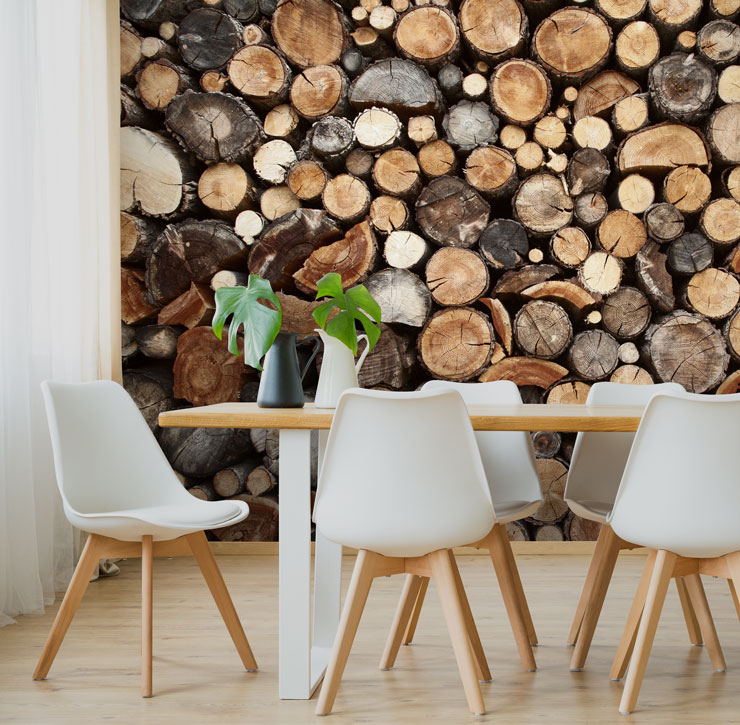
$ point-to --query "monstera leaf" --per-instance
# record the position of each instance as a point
(245, 306)
(354, 305)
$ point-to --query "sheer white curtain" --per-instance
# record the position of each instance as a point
(58, 284)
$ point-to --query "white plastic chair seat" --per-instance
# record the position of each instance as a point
(507, 511)
(591, 510)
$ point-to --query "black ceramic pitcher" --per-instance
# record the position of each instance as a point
(281, 382)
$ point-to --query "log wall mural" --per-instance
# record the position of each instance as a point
(544, 192)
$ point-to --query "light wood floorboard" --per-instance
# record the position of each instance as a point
(198, 677)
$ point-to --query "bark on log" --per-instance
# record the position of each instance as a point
(377, 129)
(593, 355)
(630, 114)
(261, 75)
(133, 112)
(456, 277)
(260, 481)
(576, 300)
(260, 525)
(192, 308)
(331, 139)
(653, 278)
(730, 385)
(138, 235)
(307, 179)
(390, 362)
(520, 91)
(135, 306)
(231, 481)
(626, 314)
(422, 130)
(501, 323)
(542, 329)
(129, 346)
(396, 172)
(671, 17)
(732, 334)
(402, 296)
(718, 42)
(359, 163)
(207, 38)
(513, 282)
(346, 198)
(130, 44)
(601, 273)
(159, 82)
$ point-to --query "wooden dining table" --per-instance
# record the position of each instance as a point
(306, 632)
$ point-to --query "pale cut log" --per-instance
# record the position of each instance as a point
(590, 208)
(661, 148)
(353, 258)
(685, 41)
(151, 390)
(568, 392)
(213, 82)
(359, 163)
(592, 132)
(129, 346)
(653, 278)
(390, 362)
(730, 385)
(319, 91)
(687, 349)
(664, 222)
(626, 313)
(599, 95)
(422, 130)
(718, 42)
(670, 17)
(733, 260)
(437, 159)
(536, 255)
(156, 177)
(620, 12)
(501, 323)
(428, 35)
(542, 204)
(557, 163)
(332, 139)
(396, 173)
(689, 254)
(720, 221)
(130, 44)
(682, 88)
(383, 20)
(278, 201)
(569, 295)
(512, 137)
(637, 47)
(635, 193)
(456, 277)
(572, 43)
(475, 86)
(621, 234)
(272, 161)
(546, 444)
(570, 246)
(451, 213)
(516, 531)
(154, 48)
(360, 16)
(370, 44)
(260, 525)
(402, 296)
(588, 170)
(728, 85)
(687, 188)
(192, 308)
(205, 371)
(530, 158)
(492, 171)
(601, 273)
(520, 91)
(231, 481)
(307, 179)
(723, 134)
(456, 344)
(525, 371)
(346, 198)
(159, 81)
(135, 307)
(450, 79)
(593, 355)
(549, 532)
(630, 115)
(138, 235)
(214, 126)
(226, 189)
(469, 124)
(405, 250)
(542, 329)
(550, 132)
(504, 244)
(377, 129)
(493, 31)
(254, 35)
(260, 74)
(288, 242)
(732, 334)
(260, 481)
(563, 113)
(207, 38)
(578, 529)
(168, 30)
(713, 293)
(282, 122)
(389, 214)
(513, 282)
(227, 278)
(133, 112)
(309, 32)
(723, 9)
(400, 85)
(593, 318)
(628, 353)
(631, 375)
(553, 475)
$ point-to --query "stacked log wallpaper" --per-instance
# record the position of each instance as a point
(544, 192)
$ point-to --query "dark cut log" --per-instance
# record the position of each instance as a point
(191, 251)
(202, 490)
(723, 134)
(568, 392)
(226, 190)
(307, 179)
(159, 81)
(215, 126)
(469, 124)
(664, 222)
(129, 348)
(590, 208)
(135, 307)
(133, 112)
(718, 42)
(637, 47)
(353, 62)
(732, 335)
(630, 115)
(542, 204)
(207, 38)
(501, 323)
(546, 443)
(428, 35)
(569, 295)
(260, 525)
(686, 349)
(653, 278)
(513, 282)
(578, 529)
(720, 221)
(331, 139)
(504, 244)
(588, 170)
(525, 371)
(451, 213)
(626, 313)
(593, 355)
(359, 163)
(437, 159)
(670, 18)
(689, 254)
(570, 246)
(158, 341)
(456, 344)
(713, 293)
(404, 87)
(599, 95)
(245, 11)
(389, 214)
(151, 390)
(370, 43)
(520, 91)
(542, 329)
(260, 481)
(402, 296)
(682, 88)
(205, 371)
(232, 480)
(150, 13)
(621, 234)
(660, 149)
(601, 273)
(493, 31)
(288, 242)
(405, 250)
(138, 235)
(450, 79)
(130, 44)
(309, 32)
(687, 188)
(260, 74)
(390, 362)
(192, 308)
(456, 277)
(396, 172)
(346, 198)
(377, 129)
(352, 257)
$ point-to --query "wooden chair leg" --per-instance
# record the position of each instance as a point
(706, 623)
(498, 543)
(659, 582)
(212, 574)
(408, 635)
(76, 590)
(444, 575)
(147, 561)
(405, 608)
(523, 604)
(689, 615)
(596, 600)
(484, 673)
(627, 643)
(735, 599)
(362, 578)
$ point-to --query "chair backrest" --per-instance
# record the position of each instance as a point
(681, 486)
(508, 456)
(105, 456)
(402, 474)
(598, 459)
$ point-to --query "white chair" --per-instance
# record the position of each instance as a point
(117, 485)
(596, 468)
(680, 497)
(509, 462)
(392, 461)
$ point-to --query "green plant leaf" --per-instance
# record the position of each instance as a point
(245, 306)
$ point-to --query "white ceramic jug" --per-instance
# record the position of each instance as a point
(338, 370)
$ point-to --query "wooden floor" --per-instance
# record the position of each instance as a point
(197, 675)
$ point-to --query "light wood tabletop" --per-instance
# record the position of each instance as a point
(526, 417)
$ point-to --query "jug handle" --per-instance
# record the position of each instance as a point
(315, 352)
(358, 365)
